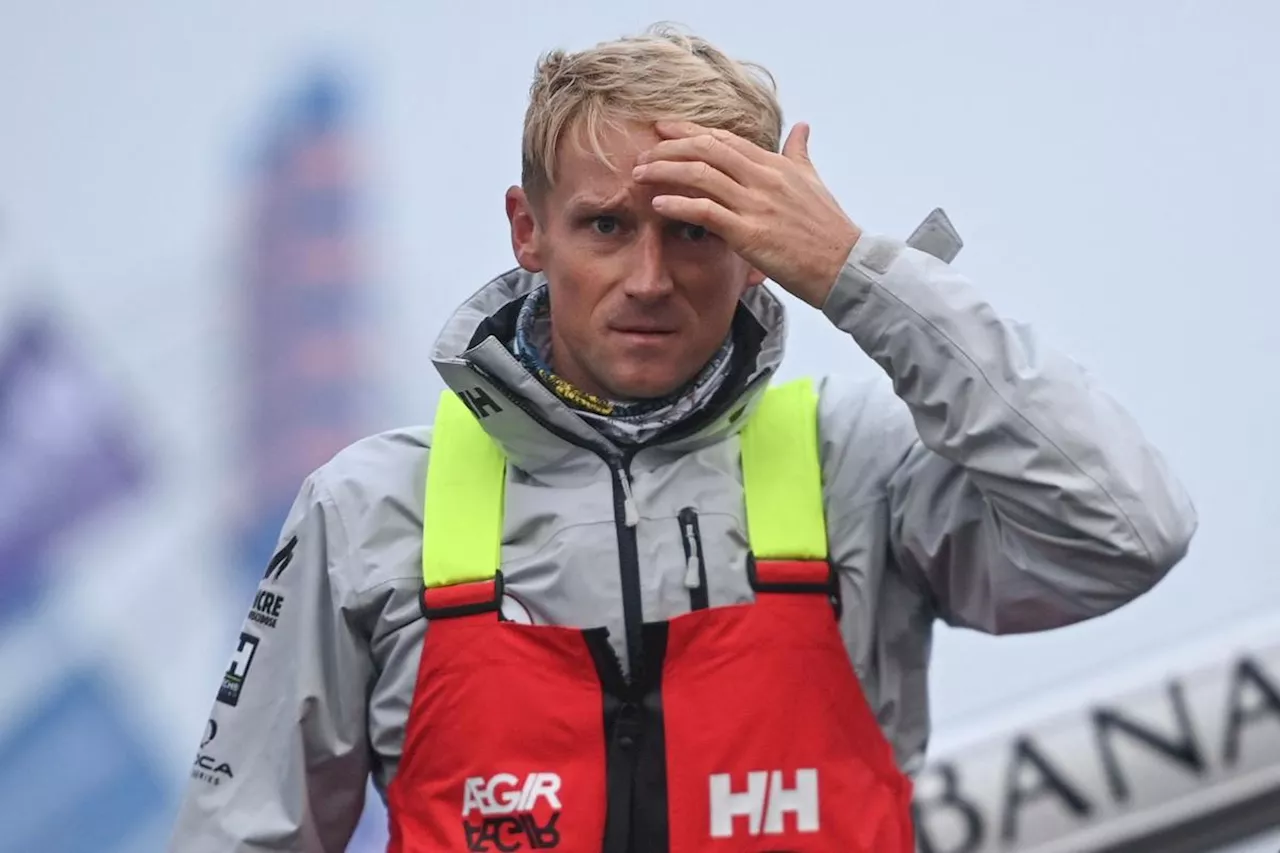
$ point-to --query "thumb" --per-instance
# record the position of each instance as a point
(797, 145)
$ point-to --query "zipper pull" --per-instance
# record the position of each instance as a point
(629, 511)
(691, 578)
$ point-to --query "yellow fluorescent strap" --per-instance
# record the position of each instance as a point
(782, 475)
(462, 520)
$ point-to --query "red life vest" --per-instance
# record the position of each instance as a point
(745, 729)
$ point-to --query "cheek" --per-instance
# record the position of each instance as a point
(713, 290)
(576, 301)
(707, 261)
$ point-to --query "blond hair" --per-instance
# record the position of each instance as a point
(660, 74)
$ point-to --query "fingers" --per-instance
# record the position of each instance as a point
(797, 145)
(695, 175)
(708, 213)
(729, 153)
(687, 129)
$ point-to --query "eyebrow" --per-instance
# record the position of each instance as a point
(594, 203)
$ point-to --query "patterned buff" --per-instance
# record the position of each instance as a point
(630, 422)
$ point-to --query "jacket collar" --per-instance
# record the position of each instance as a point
(534, 427)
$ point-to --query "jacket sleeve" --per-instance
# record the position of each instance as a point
(284, 759)
(1020, 496)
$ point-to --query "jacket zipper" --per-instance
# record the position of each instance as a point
(695, 573)
(625, 518)
(630, 515)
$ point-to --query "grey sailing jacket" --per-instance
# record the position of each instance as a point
(983, 481)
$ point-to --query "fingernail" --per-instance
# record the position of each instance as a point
(638, 171)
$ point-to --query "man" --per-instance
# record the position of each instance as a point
(620, 372)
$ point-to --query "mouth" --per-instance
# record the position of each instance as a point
(642, 335)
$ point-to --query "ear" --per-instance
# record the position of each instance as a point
(526, 234)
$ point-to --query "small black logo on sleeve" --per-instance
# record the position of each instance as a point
(266, 608)
(281, 560)
(238, 670)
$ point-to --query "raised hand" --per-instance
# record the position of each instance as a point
(772, 209)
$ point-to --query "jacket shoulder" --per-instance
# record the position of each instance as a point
(379, 460)
(375, 488)
(865, 430)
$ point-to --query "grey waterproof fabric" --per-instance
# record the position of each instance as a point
(984, 481)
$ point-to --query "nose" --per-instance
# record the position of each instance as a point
(648, 279)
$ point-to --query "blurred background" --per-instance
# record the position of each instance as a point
(230, 232)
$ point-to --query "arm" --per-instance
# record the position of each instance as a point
(1021, 497)
(287, 764)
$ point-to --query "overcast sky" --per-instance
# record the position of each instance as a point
(1111, 165)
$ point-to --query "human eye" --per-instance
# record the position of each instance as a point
(605, 225)
(693, 233)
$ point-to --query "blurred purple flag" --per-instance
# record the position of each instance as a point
(66, 447)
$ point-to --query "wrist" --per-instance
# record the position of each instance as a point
(842, 244)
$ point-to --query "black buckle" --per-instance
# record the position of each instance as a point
(830, 587)
(490, 605)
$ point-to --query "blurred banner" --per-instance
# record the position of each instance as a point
(1176, 754)
(303, 290)
(305, 294)
(76, 772)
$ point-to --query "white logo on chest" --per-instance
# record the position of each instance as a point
(505, 794)
(765, 803)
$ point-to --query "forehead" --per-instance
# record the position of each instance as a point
(581, 172)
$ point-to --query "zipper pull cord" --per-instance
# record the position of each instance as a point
(691, 578)
(630, 512)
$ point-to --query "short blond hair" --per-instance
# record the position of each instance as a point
(662, 74)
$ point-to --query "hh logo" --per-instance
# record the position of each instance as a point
(509, 816)
(480, 403)
(764, 803)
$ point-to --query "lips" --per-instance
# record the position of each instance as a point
(646, 338)
(643, 327)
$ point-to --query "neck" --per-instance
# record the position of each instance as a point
(623, 420)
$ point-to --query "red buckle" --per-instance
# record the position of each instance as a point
(790, 575)
(812, 576)
(464, 599)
